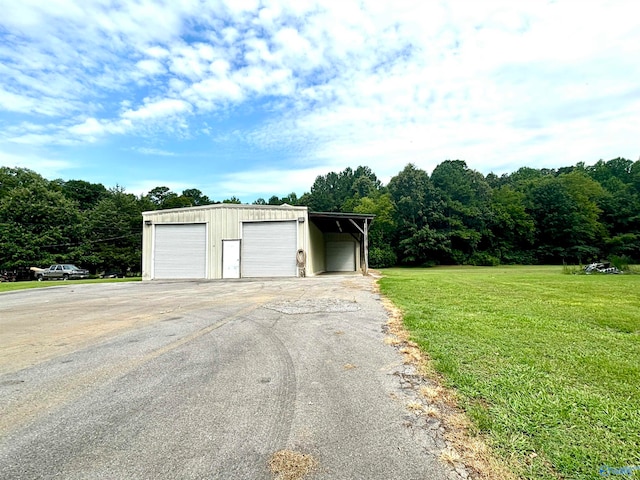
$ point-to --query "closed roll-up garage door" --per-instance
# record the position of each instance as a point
(269, 249)
(341, 257)
(180, 251)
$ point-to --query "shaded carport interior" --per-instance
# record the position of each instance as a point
(345, 225)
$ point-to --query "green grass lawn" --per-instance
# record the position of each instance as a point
(547, 365)
(11, 286)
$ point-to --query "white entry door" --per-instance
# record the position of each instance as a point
(230, 258)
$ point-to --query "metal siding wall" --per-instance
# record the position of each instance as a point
(223, 222)
(147, 250)
(316, 255)
(225, 226)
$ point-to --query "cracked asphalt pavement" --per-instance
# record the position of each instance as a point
(198, 380)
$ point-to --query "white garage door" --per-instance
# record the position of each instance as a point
(269, 249)
(180, 251)
(341, 256)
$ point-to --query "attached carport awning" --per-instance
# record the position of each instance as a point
(356, 224)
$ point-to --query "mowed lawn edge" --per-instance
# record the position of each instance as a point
(14, 286)
(547, 365)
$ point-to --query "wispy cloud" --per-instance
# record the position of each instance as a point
(154, 151)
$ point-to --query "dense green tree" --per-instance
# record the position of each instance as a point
(195, 197)
(619, 201)
(512, 227)
(291, 199)
(466, 196)
(566, 230)
(338, 192)
(326, 193)
(421, 236)
(176, 201)
(38, 224)
(617, 168)
(114, 233)
(624, 245)
(86, 194)
(13, 178)
(587, 193)
(635, 176)
(425, 246)
(411, 191)
(459, 183)
(162, 197)
(381, 233)
(620, 205)
(526, 175)
(157, 195)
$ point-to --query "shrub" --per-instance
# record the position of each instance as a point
(572, 269)
(621, 263)
(484, 259)
(382, 257)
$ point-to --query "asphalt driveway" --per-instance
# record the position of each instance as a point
(205, 380)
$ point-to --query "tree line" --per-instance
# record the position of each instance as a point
(458, 216)
(454, 216)
(43, 222)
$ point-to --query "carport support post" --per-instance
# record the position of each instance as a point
(366, 247)
(365, 242)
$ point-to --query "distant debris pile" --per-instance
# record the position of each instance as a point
(601, 267)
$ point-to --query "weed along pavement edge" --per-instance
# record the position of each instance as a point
(248, 379)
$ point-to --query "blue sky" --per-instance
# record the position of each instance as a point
(254, 98)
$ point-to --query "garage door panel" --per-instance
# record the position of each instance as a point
(180, 251)
(269, 249)
(340, 256)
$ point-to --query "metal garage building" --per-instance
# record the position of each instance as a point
(234, 241)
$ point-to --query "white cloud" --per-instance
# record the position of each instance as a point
(150, 67)
(187, 62)
(242, 6)
(212, 92)
(341, 83)
(156, 52)
(34, 139)
(154, 152)
(156, 109)
(11, 102)
(89, 127)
